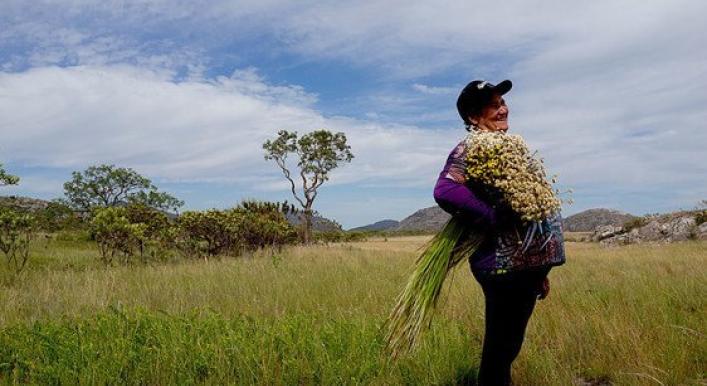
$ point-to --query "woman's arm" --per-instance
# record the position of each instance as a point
(458, 199)
(454, 196)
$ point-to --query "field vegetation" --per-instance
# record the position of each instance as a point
(632, 315)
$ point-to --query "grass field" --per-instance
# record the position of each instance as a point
(628, 316)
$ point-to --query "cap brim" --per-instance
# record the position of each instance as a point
(503, 87)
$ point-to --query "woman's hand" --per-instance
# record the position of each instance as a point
(544, 289)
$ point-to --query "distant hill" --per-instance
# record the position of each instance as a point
(319, 223)
(382, 225)
(589, 219)
(23, 203)
(433, 218)
(429, 219)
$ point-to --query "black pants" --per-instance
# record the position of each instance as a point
(510, 299)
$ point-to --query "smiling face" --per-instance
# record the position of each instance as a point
(494, 116)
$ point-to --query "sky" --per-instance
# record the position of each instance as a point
(612, 94)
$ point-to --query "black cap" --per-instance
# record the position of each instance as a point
(477, 94)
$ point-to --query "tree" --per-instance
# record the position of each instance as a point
(318, 152)
(7, 179)
(109, 186)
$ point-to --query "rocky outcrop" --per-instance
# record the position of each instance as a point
(679, 226)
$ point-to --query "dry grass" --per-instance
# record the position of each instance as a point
(632, 315)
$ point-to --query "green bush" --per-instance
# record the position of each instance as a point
(249, 226)
(116, 236)
(263, 224)
(203, 234)
(16, 233)
(57, 216)
(339, 236)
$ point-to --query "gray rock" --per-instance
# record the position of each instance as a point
(653, 231)
(605, 231)
(679, 229)
(631, 237)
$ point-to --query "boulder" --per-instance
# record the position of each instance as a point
(653, 231)
(631, 237)
(679, 229)
(605, 231)
(701, 232)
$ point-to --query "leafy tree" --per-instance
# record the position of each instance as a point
(7, 179)
(109, 186)
(318, 152)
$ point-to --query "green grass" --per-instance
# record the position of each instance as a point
(632, 315)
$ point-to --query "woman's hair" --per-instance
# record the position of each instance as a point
(474, 112)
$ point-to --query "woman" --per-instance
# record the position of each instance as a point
(509, 296)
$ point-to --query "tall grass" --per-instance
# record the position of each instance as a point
(632, 315)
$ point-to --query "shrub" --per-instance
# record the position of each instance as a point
(635, 223)
(116, 235)
(339, 236)
(57, 216)
(16, 233)
(249, 226)
(701, 217)
(264, 224)
(204, 234)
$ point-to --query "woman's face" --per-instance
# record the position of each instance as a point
(494, 116)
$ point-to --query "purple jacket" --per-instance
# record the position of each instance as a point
(456, 198)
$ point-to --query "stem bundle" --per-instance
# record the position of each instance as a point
(416, 304)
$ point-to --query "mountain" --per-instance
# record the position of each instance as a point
(377, 226)
(589, 219)
(430, 219)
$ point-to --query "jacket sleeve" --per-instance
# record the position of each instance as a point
(454, 196)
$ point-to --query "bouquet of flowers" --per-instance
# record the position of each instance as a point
(502, 163)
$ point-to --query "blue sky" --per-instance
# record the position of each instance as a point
(612, 94)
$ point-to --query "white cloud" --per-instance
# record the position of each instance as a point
(191, 130)
(434, 90)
